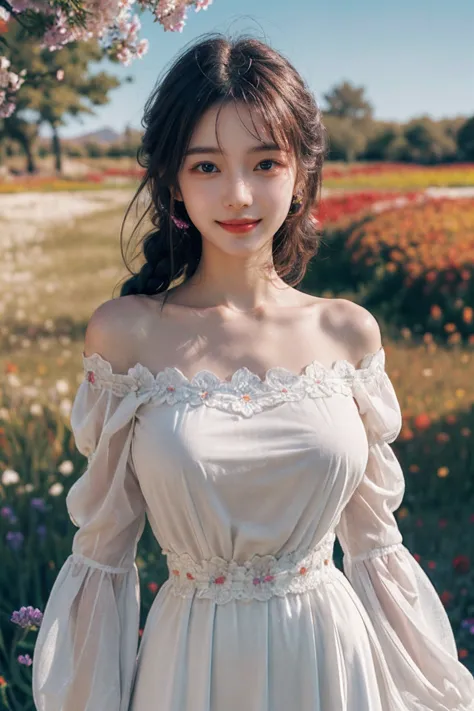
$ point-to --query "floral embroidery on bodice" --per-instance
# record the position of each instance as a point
(245, 393)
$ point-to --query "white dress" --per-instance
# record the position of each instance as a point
(245, 483)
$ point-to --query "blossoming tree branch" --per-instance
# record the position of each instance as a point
(55, 23)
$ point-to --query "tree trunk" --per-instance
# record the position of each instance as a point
(56, 147)
(25, 135)
(26, 143)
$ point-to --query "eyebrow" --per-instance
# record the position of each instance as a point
(212, 149)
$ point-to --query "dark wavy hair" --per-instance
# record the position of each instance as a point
(218, 70)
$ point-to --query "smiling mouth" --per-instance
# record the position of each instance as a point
(239, 227)
(237, 223)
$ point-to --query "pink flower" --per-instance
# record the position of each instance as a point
(25, 659)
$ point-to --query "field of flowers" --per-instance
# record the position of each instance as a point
(411, 258)
(47, 298)
(398, 176)
(91, 180)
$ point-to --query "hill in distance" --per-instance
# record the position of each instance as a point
(103, 136)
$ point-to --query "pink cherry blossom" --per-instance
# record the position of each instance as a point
(109, 21)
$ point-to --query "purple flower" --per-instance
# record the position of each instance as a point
(38, 504)
(25, 659)
(41, 530)
(8, 513)
(27, 617)
(15, 540)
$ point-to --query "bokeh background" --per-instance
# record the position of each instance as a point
(397, 220)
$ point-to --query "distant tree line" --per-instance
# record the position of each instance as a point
(355, 134)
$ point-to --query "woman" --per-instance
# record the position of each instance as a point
(252, 424)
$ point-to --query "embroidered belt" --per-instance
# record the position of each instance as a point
(259, 578)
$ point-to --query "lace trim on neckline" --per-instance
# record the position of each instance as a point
(245, 392)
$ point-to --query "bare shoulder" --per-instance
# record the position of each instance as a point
(108, 332)
(354, 325)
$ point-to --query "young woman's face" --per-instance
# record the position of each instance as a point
(248, 180)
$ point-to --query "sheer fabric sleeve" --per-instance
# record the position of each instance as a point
(403, 605)
(85, 652)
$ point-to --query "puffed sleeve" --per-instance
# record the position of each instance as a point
(406, 612)
(85, 652)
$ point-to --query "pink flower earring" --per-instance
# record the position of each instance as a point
(180, 224)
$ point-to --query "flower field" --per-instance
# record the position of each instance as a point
(419, 262)
(106, 178)
(49, 294)
(398, 176)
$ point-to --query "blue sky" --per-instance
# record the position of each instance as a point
(413, 57)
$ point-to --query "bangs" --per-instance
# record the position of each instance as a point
(270, 109)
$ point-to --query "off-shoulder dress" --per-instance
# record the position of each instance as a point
(246, 483)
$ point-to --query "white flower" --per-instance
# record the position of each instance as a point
(10, 476)
(62, 387)
(4, 413)
(13, 380)
(66, 467)
(65, 407)
(56, 489)
(36, 409)
(29, 487)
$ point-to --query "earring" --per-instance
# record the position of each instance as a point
(180, 224)
(296, 203)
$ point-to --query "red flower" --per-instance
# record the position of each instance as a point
(463, 653)
(461, 564)
(446, 597)
(422, 422)
(153, 587)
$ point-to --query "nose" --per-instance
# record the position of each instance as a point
(237, 194)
